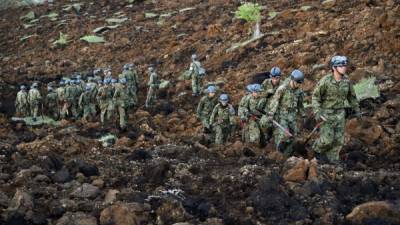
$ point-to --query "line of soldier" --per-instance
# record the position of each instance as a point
(76, 98)
(273, 103)
(273, 108)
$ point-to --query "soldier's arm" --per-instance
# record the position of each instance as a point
(213, 114)
(276, 99)
(317, 97)
(200, 107)
(301, 105)
(243, 111)
(352, 98)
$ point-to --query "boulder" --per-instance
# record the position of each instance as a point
(125, 214)
(111, 197)
(86, 191)
(379, 210)
(368, 130)
(171, 211)
(299, 170)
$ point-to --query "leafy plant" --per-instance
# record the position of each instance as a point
(366, 88)
(62, 40)
(251, 12)
(93, 39)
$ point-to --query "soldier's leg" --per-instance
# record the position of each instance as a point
(103, 110)
(149, 97)
(254, 132)
(110, 110)
(219, 135)
(122, 117)
(338, 140)
(326, 138)
(35, 110)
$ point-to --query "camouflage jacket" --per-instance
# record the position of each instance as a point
(51, 100)
(105, 93)
(206, 106)
(248, 107)
(22, 99)
(222, 115)
(287, 100)
(153, 80)
(332, 94)
(85, 99)
(131, 77)
(268, 91)
(60, 94)
(34, 96)
(121, 95)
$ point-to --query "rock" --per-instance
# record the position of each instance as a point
(381, 210)
(21, 205)
(124, 142)
(62, 176)
(4, 200)
(125, 214)
(86, 191)
(42, 178)
(77, 218)
(111, 197)
(328, 4)
(368, 130)
(171, 211)
(313, 170)
(305, 58)
(296, 169)
(213, 221)
(98, 183)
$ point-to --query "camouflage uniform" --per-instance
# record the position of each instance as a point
(121, 99)
(153, 86)
(268, 91)
(132, 82)
(22, 104)
(52, 104)
(104, 96)
(249, 115)
(68, 108)
(330, 99)
(78, 90)
(205, 108)
(286, 105)
(34, 99)
(61, 100)
(222, 120)
(86, 106)
(196, 76)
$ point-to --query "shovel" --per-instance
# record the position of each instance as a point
(299, 144)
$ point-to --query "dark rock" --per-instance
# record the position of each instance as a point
(139, 155)
(86, 191)
(52, 161)
(62, 176)
(77, 218)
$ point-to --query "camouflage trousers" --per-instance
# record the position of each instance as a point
(133, 100)
(88, 111)
(196, 84)
(283, 142)
(222, 133)
(22, 110)
(52, 111)
(34, 109)
(151, 97)
(122, 115)
(251, 132)
(106, 111)
(331, 138)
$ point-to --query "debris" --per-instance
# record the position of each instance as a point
(104, 28)
(116, 20)
(108, 140)
(93, 39)
(29, 16)
(62, 40)
(366, 88)
(150, 15)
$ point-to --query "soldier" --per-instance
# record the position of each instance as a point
(93, 93)
(121, 96)
(104, 97)
(286, 105)
(68, 98)
(222, 119)
(153, 85)
(78, 90)
(51, 103)
(107, 73)
(97, 74)
(86, 105)
(130, 74)
(34, 99)
(206, 106)
(333, 94)
(250, 115)
(61, 98)
(196, 73)
(21, 102)
(269, 87)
